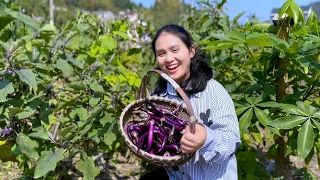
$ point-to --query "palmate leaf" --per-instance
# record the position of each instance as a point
(245, 120)
(308, 109)
(263, 117)
(240, 110)
(236, 35)
(287, 122)
(305, 139)
(6, 88)
(316, 115)
(292, 109)
(87, 167)
(269, 104)
(27, 76)
(48, 162)
(316, 123)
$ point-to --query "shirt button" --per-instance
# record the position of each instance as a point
(182, 173)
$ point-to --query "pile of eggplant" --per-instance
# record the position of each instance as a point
(156, 130)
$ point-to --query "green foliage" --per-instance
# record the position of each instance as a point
(47, 162)
(272, 74)
(62, 90)
(87, 167)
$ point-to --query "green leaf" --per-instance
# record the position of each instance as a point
(308, 109)
(6, 88)
(76, 62)
(316, 123)
(263, 117)
(27, 76)
(66, 130)
(249, 99)
(245, 120)
(4, 21)
(240, 110)
(108, 43)
(122, 34)
(287, 122)
(260, 40)
(222, 45)
(87, 167)
(106, 119)
(48, 28)
(27, 146)
(48, 162)
(6, 46)
(94, 100)
(316, 115)
(292, 109)
(65, 68)
(41, 134)
(269, 104)
(96, 87)
(109, 138)
(24, 18)
(305, 139)
(82, 113)
(257, 137)
(237, 36)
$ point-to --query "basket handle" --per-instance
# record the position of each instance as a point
(141, 94)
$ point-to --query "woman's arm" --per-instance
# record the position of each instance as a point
(223, 136)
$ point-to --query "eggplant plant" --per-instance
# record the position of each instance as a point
(272, 72)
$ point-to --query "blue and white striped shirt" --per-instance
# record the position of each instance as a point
(216, 158)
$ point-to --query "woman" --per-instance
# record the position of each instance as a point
(217, 135)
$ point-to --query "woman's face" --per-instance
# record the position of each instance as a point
(173, 57)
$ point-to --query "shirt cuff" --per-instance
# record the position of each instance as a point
(210, 143)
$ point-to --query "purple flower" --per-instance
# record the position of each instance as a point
(6, 131)
(1, 78)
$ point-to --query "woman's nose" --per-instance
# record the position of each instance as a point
(170, 57)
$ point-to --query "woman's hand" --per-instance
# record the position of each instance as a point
(193, 142)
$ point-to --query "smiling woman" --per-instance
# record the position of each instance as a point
(216, 136)
(174, 57)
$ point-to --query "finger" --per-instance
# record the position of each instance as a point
(186, 142)
(186, 149)
(190, 137)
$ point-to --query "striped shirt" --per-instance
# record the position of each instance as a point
(216, 158)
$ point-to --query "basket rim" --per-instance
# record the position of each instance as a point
(140, 151)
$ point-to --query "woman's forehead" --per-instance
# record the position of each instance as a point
(168, 39)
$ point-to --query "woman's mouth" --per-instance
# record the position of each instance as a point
(172, 68)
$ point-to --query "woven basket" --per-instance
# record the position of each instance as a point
(187, 114)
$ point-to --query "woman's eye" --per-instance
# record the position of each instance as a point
(160, 54)
(175, 50)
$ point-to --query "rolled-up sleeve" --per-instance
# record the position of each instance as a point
(223, 134)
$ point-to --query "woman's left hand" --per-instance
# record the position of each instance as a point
(191, 143)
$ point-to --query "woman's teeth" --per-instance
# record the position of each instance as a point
(172, 67)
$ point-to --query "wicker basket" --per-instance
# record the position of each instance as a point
(186, 114)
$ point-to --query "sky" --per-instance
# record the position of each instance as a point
(261, 8)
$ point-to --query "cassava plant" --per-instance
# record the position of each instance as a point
(272, 72)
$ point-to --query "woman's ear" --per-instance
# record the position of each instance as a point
(192, 50)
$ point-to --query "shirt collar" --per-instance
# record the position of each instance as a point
(170, 90)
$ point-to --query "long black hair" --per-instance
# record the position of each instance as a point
(200, 71)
